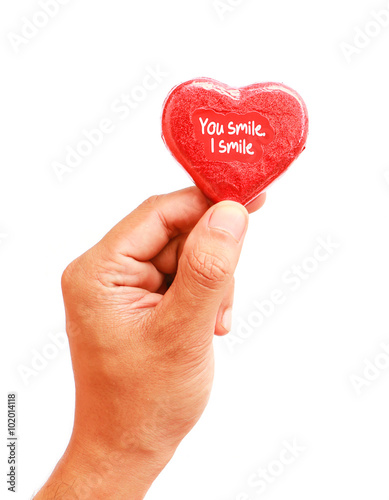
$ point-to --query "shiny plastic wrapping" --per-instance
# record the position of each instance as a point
(234, 142)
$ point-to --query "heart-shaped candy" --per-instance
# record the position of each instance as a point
(234, 142)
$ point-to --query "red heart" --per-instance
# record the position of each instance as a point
(234, 142)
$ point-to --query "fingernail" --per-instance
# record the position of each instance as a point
(227, 319)
(232, 219)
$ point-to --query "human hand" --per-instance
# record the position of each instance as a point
(142, 307)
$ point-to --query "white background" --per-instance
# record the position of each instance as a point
(290, 379)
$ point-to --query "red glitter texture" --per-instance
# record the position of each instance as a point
(241, 181)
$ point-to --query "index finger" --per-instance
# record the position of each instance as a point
(147, 230)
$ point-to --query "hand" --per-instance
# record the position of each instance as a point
(142, 307)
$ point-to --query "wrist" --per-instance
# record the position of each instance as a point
(92, 470)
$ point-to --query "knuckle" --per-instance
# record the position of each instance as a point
(68, 276)
(152, 200)
(208, 270)
(73, 278)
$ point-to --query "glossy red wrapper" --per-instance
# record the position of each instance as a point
(234, 142)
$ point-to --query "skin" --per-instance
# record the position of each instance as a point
(142, 307)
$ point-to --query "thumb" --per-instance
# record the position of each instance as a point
(207, 264)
